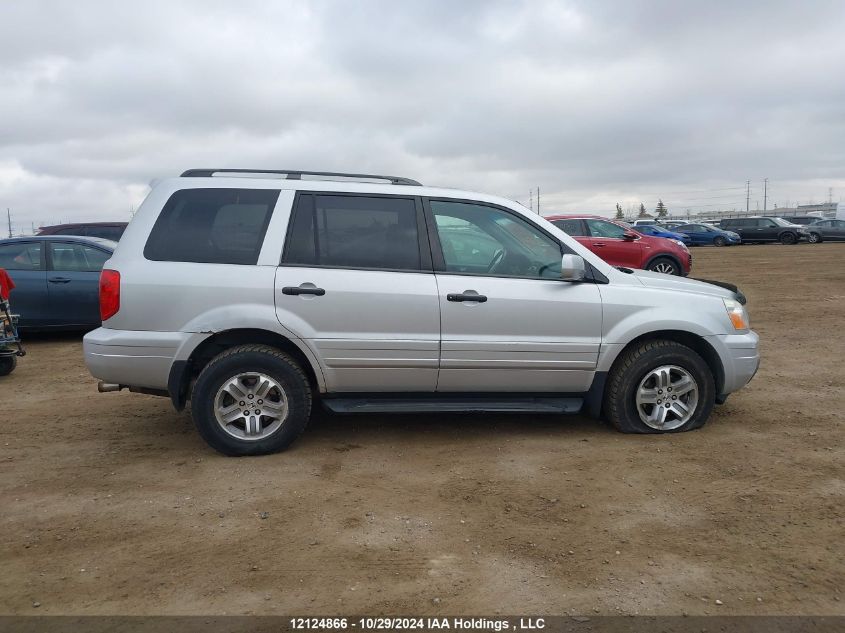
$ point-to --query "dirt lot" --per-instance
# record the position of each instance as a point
(112, 504)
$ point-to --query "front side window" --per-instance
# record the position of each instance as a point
(354, 232)
(76, 257)
(21, 256)
(485, 240)
(212, 226)
(600, 228)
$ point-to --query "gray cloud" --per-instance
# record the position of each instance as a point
(595, 102)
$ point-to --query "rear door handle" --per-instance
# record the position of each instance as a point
(466, 297)
(58, 280)
(303, 290)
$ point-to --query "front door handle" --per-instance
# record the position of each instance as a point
(598, 244)
(303, 290)
(58, 280)
(466, 297)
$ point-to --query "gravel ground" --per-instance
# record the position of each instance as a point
(111, 503)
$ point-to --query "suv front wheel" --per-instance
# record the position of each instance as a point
(251, 400)
(664, 265)
(659, 386)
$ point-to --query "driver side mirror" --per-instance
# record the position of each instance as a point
(630, 236)
(572, 268)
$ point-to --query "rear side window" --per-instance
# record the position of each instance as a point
(571, 227)
(354, 232)
(212, 226)
(76, 257)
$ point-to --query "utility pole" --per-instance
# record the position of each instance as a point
(531, 199)
(830, 195)
(765, 192)
(9, 218)
(747, 195)
(538, 200)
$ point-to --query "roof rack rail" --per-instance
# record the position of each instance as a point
(298, 174)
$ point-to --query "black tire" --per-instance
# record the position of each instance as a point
(244, 359)
(659, 262)
(619, 405)
(8, 364)
(815, 238)
(719, 241)
(788, 238)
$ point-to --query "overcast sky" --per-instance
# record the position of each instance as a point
(594, 102)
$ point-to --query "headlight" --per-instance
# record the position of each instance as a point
(681, 244)
(737, 314)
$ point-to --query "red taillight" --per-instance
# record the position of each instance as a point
(109, 293)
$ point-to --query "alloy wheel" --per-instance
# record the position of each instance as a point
(667, 398)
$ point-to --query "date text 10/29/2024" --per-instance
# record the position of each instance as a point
(417, 624)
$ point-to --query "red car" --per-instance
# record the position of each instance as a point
(620, 245)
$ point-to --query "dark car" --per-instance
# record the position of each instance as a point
(56, 279)
(831, 230)
(620, 245)
(702, 234)
(764, 229)
(802, 219)
(104, 230)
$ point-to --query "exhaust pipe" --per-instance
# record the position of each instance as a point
(105, 387)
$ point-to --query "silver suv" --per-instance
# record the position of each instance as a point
(253, 294)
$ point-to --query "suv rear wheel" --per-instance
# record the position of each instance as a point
(659, 387)
(664, 265)
(251, 400)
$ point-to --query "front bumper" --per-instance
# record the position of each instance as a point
(740, 358)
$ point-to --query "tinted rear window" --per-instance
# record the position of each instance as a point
(213, 226)
(354, 232)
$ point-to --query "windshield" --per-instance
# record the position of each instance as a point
(782, 222)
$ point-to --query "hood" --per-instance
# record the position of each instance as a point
(681, 284)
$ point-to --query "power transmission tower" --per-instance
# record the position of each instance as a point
(747, 195)
(765, 192)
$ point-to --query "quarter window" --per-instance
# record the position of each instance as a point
(485, 240)
(354, 232)
(213, 226)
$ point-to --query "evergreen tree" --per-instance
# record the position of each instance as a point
(619, 214)
(661, 209)
(642, 210)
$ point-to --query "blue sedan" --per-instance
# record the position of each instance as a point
(707, 234)
(57, 279)
(660, 231)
